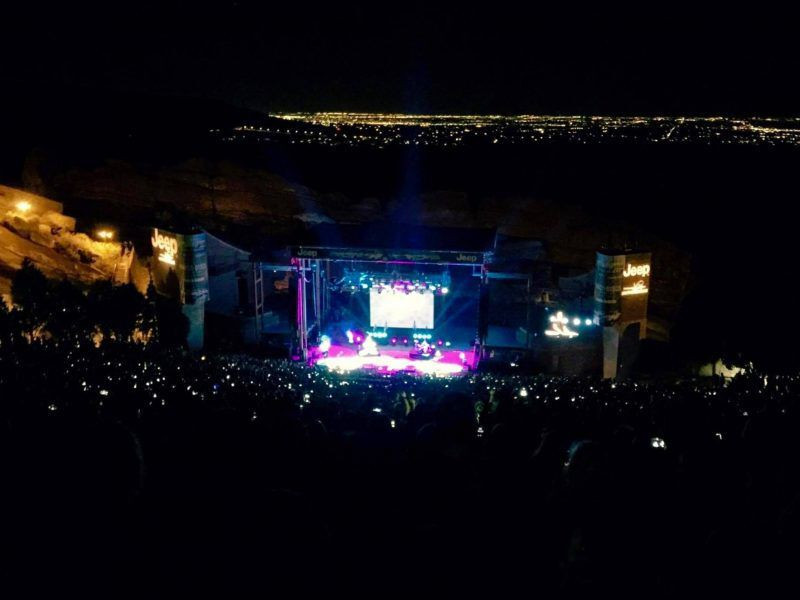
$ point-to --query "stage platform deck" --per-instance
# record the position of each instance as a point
(393, 359)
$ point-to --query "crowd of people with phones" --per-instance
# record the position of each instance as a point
(170, 463)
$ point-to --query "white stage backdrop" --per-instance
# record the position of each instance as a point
(398, 309)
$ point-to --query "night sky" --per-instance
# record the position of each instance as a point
(409, 57)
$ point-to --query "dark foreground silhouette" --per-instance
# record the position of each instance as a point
(130, 467)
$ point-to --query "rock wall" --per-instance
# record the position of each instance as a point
(216, 194)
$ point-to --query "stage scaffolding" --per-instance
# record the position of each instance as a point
(431, 246)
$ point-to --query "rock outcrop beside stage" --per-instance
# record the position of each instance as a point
(34, 227)
(207, 191)
(222, 194)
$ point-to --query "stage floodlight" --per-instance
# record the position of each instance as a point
(324, 344)
(445, 290)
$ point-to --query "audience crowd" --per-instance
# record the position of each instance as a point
(139, 464)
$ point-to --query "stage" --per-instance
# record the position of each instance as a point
(407, 289)
(394, 360)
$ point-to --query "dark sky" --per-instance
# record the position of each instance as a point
(494, 58)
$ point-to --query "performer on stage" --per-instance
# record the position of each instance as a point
(324, 345)
(369, 347)
(422, 350)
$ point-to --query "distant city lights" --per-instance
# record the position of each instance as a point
(396, 129)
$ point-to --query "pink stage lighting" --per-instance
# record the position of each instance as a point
(390, 364)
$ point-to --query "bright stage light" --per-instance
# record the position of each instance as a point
(105, 234)
(588, 321)
(369, 348)
(559, 327)
(576, 321)
(24, 206)
(445, 290)
(401, 308)
(390, 364)
(324, 344)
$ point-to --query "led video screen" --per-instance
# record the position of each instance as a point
(391, 308)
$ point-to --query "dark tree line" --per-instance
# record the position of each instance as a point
(60, 311)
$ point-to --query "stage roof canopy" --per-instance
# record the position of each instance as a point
(390, 242)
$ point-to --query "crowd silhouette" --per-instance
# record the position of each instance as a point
(165, 464)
